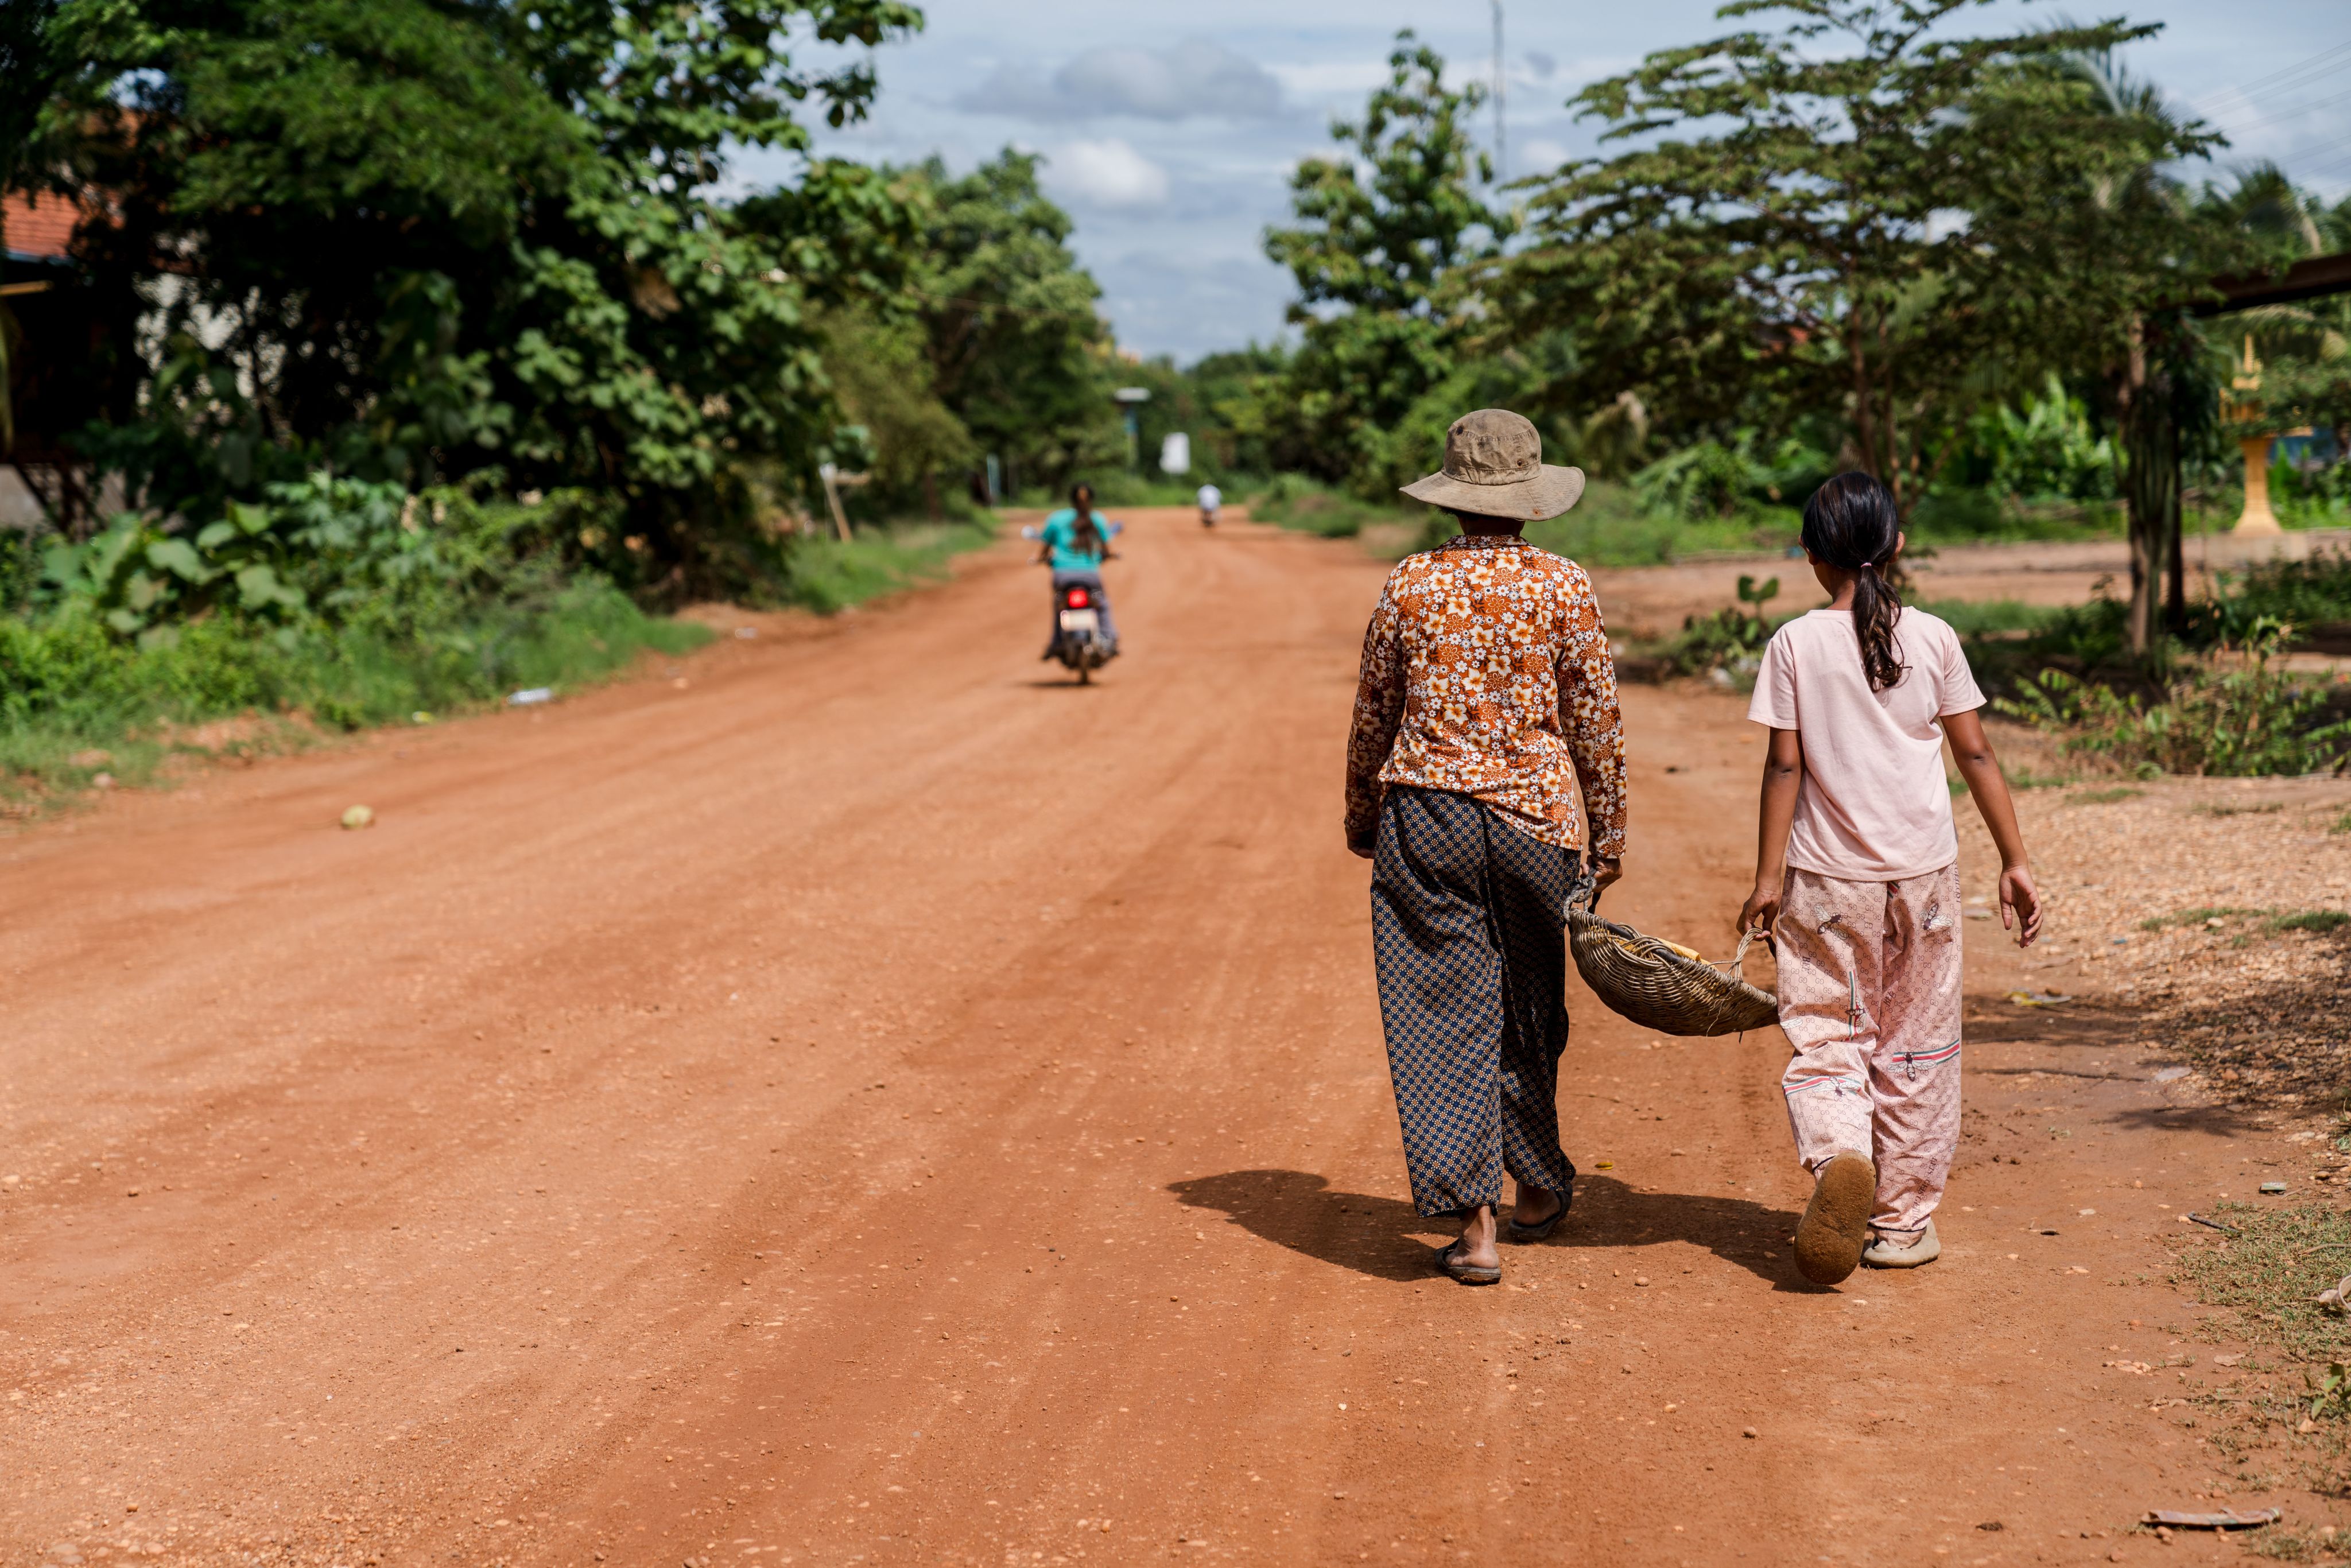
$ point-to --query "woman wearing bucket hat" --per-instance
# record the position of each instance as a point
(1485, 782)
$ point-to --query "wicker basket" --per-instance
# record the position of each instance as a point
(1660, 988)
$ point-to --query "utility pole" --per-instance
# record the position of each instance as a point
(1501, 159)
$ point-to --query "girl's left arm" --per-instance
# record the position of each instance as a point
(2020, 900)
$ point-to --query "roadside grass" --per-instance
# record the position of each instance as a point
(2318, 921)
(2104, 797)
(81, 708)
(76, 704)
(1984, 516)
(2342, 824)
(2293, 1390)
(1610, 527)
(2221, 809)
(830, 575)
(2282, 1545)
(1292, 501)
(2199, 915)
(1993, 617)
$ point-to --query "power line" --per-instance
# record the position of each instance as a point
(2290, 112)
(2315, 67)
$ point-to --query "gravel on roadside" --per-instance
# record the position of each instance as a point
(2219, 911)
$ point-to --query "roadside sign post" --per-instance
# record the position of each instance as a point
(1129, 399)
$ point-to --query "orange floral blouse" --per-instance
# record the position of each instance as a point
(1486, 673)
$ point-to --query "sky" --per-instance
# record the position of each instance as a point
(1169, 131)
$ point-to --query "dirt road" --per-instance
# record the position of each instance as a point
(867, 1101)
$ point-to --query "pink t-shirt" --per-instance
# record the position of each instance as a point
(1874, 806)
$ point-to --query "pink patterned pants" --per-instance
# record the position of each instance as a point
(1869, 996)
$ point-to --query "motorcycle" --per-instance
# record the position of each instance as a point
(1081, 640)
(1078, 639)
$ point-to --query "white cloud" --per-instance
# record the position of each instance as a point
(1325, 78)
(1106, 173)
(1533, 154)
(1193, 77)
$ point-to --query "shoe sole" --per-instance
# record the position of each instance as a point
(1466, 1273)
(1835, 1227)
(1917, 1257)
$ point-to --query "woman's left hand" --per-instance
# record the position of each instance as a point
(1605, 871)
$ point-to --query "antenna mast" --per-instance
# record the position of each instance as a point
(1502, 155)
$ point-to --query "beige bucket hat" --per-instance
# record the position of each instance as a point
(1494, 468)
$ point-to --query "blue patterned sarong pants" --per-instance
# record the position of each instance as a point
(1468, 923)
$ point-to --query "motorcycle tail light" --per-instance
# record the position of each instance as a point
(1079, 599)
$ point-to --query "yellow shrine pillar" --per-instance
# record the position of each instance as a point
(2257, 517)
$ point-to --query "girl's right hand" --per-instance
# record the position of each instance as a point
(1762, 908)
(2019, 903)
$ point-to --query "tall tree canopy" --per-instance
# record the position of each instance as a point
(1017, 349)
(1382, 234)
(412, 237)
(1865, 214)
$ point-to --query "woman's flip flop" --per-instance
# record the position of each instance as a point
(1468, 1273)
(1542, 1229)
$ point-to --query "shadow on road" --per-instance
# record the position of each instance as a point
(1384, 1237)
(2214, 1121)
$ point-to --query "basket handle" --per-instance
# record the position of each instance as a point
(1747, 939)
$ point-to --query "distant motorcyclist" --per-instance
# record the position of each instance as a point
(1075, 541)
(1211, 499)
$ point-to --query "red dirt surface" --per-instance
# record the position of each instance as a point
(877, 1103)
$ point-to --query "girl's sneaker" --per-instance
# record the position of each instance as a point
(1884, 1252)
(1836, 1222)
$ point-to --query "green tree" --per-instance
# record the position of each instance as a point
(880, 364)
(1017, 351)
(1860, 216)
(1382, 240)
(412, 238)
(30, 68)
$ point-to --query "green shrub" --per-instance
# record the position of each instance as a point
(2226, 719)
(2300, 594)
(1293, 501)
(352, 603)
(1706, 479)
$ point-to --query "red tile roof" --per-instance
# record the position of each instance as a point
(39, 227)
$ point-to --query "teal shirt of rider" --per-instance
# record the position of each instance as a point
(1060, 538)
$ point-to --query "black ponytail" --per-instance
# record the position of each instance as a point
(1851, 523)
(1088, 538)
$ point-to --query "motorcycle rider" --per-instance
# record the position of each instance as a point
(1210, 498)
(1075, 541)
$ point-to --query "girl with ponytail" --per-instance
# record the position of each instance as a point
(1856, 883)
(1851, 528)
